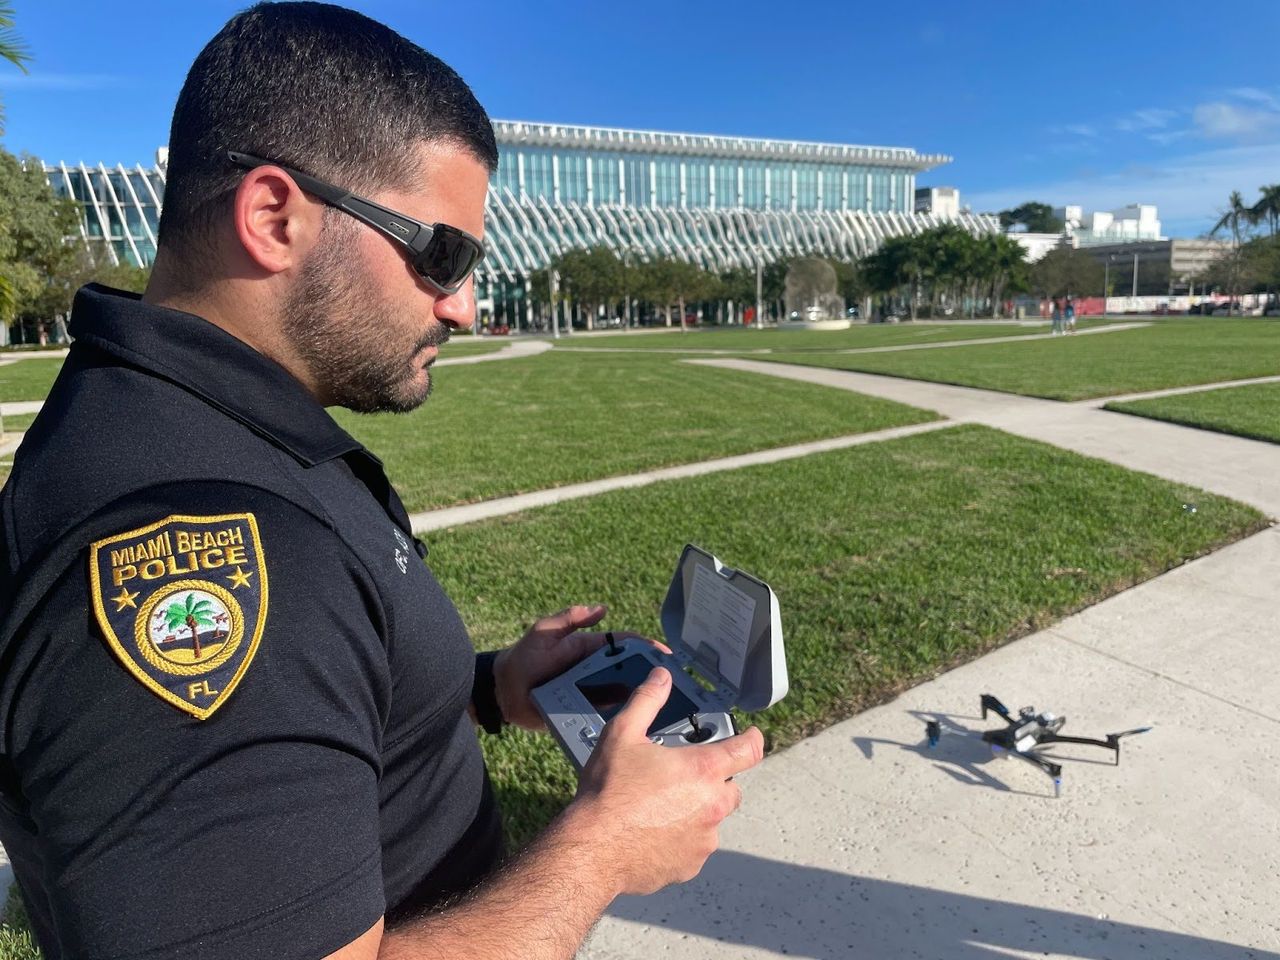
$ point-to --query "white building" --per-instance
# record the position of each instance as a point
(940, 201)
(1036, 244)
(1138, 221)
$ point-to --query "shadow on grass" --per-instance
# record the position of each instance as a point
(748, 901)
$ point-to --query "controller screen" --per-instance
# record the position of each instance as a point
(607, 690)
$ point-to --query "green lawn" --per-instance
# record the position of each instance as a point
(527, 424)
(1172, 353)
(16, 940)
(1252, 411)
(469, 346)
(859, 335)
(31, 379)
(28, 379)
(892, 562)
(17, 422)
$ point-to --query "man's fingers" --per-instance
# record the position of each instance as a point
(573, 618)
(633, 720)
(736, 754)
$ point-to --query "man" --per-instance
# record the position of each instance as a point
(234, 703)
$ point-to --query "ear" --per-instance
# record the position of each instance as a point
(276, 223)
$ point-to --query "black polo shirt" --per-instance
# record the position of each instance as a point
(232, 696)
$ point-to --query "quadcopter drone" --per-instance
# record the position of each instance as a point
(1028, 730)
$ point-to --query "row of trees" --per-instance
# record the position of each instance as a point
(599, 280)
(948, 269)
(942, 271)
(1253, 263)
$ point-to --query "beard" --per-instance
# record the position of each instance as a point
(350, 337)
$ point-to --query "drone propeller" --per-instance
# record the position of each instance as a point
(1113, 739)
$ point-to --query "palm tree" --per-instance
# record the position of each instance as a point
(11, 46)
(1268, 208)
(193, 615)
(1236, 219)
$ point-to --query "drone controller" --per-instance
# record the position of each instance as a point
(725, 632)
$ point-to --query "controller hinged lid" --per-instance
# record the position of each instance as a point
(728, 624)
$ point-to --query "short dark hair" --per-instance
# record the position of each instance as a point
(320, 87)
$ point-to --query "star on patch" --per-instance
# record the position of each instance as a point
(125, 599)
(240, 578)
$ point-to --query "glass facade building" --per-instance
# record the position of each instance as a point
(721, 202)
(120, 207)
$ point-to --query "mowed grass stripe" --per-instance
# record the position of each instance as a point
(17, 422)
(892, 561)
(514, 426)
(1174, 353)
(28, 379)
(1252, 411)
(856, 336)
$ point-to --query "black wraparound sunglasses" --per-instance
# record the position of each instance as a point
(442, 255)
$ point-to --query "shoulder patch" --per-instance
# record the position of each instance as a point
(182, 603)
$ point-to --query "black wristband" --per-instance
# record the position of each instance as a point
(484, 696)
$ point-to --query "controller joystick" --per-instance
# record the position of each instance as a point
(700, 731)
(614, 649)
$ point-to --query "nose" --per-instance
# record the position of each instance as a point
(458, 310)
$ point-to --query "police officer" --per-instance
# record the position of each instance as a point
(236, 708)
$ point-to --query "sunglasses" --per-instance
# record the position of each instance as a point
(442, 255)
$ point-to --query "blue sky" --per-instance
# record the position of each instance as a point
(1098, 103)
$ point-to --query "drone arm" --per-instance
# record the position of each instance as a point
(1112, 741)
(991, 703)
(1048, 766)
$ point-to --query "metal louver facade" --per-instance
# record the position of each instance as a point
(721, 202)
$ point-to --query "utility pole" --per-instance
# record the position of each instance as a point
(1106, 282)
(1135, 273)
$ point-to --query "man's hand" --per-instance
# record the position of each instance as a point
(550, 647)
(657, 809)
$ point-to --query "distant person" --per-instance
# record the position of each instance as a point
(1056, 318)
(1069, 317)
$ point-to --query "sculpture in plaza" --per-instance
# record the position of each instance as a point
(811, 293)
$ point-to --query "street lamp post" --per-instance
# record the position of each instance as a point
(1135, 274)
(555, 293)
(759, 291)
(1106, 282)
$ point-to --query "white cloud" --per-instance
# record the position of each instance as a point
(1188, 190)
(1075, 129)
(1153, 118)
(1221, 120)
(1254, 95)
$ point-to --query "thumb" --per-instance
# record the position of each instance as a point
(633, 720)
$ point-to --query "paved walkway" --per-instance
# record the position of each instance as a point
(891, 348)
(510, 351)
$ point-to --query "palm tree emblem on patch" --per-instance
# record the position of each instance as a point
(175, 630)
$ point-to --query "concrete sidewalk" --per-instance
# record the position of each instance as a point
(861, 842)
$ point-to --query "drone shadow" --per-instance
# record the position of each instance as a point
(745, 901)
(961, 752)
